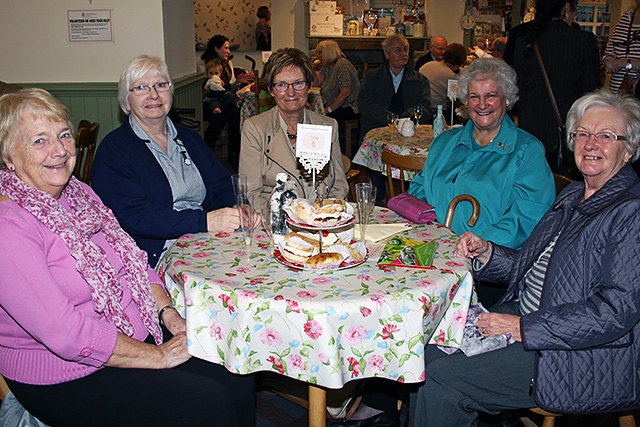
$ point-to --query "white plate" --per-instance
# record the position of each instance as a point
(350, 262)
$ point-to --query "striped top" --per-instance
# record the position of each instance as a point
(617, 48)
(534, 279)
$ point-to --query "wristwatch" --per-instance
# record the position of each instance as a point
(628, 66)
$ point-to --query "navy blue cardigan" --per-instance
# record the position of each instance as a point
(130, 181)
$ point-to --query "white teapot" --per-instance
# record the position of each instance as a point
(406, 127)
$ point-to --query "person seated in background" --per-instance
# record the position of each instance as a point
(498, 46)
(263, 28)
(480, 49)
(440, 72)
(216, 91)
(88, 335)
(573, 303)
(160, 179)
(269, 139)
(340, 84)
(436, 52)
(392, 88)
(491, 159)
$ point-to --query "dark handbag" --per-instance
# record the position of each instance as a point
(562, 134)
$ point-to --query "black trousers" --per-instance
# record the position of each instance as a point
(230, 115)
(197, 393)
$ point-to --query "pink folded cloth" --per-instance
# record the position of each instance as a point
(412, 208)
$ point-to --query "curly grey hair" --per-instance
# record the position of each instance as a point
(626, 106)
(136, 69)
(493, 69)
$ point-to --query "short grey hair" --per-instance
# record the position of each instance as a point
(494, 69)
(136, 69)
(393, 38)
(626, 106)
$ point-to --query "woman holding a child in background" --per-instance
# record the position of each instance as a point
(219, 48)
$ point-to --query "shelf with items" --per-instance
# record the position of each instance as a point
(594, 17)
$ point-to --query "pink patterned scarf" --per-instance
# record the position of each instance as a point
(89, 216)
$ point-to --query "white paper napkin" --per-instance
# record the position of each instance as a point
(377, 232)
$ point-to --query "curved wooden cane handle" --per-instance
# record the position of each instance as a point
(452, 207)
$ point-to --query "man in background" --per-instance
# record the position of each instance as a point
(436, 52)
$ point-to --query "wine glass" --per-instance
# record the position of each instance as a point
(418, 111)
(263, 208)
(366, 199)
(392, 120)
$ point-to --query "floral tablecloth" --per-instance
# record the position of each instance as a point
(248, 99)
(327, 328)
(379, 139)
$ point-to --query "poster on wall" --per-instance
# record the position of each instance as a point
(90, 26)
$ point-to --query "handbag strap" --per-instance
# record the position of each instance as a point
(548, 84)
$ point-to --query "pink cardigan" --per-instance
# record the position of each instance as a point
(49, 331)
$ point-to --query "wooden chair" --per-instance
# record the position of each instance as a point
(625, 419)
(4, 388)
(263, 102)
(410, 162)
(349, 127)
(86, 142)
(561, 182)
(351, 177)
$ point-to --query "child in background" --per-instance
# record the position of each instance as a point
(218, 93)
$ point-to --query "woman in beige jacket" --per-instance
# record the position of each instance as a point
(269, 139)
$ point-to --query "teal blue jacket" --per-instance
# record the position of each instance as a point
(510, 179)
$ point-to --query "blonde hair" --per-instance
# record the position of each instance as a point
(16, 107)
(331, 52)
(136, 69)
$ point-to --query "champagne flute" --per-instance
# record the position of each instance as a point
(264, 210)
(366, 199)
(392, 120)
(246, 220)
(239, 184)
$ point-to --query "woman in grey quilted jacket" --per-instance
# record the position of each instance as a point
(573, 302)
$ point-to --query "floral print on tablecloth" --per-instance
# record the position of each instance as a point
(250, 313)
(379, 139)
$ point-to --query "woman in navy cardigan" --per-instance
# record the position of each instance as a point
(160, 180)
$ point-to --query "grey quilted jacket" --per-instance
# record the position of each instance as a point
(587, 358)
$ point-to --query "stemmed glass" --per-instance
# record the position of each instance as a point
(366, 199)
(264, 210)
(246, 220)
(392, 120)
(418, 111)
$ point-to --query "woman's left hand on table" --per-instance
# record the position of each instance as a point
(499, 323)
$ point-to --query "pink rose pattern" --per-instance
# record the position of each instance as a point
(322, 327)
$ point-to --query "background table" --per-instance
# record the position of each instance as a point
(325, 328)
(248, 98)
(378, 139)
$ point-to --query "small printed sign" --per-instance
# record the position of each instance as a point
(313, 146)
(90, 26)
(452, 89)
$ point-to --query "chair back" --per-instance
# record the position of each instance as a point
(452, 207)
(264, 100)
(86, 142)
(409, 162)
(561, 182)
(4, 388)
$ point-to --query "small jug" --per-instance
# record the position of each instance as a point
(406, 127)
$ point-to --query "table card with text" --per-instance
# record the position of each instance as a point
(313, 148)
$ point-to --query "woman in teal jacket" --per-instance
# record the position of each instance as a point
(500, 165)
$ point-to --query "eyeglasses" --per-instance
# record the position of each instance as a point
(145, 89)
(583, 136)
(284, 86)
